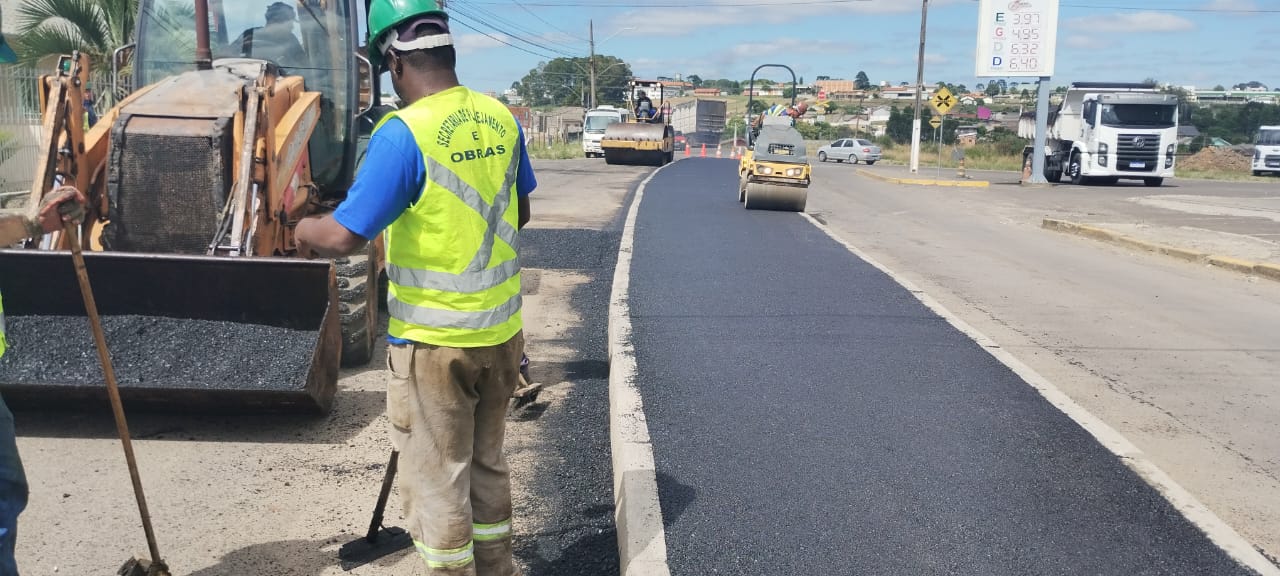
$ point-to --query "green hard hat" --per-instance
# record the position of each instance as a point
(385, 15)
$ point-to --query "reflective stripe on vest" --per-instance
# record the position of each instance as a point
(452, 255)
(476, 277)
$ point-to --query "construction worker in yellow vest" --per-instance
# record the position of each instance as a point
(447, 177)
(65, 204)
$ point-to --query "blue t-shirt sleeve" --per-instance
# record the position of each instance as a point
(389, 181)
(525, 180)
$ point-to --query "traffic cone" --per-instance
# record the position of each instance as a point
(1026, 169)
(717, 151)
(960, 171)
(704, 150)
(688, 151)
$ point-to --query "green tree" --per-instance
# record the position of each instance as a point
(94, 27)
(993, 89)
(563, 82)
(695, 80)
(788, 93)
(757, 106)
(861, 81)
(1219, 88)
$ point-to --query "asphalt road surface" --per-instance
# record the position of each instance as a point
(1180, 358)
(810, 416)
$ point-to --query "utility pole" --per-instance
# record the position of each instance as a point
(591, 62)
(915, 125)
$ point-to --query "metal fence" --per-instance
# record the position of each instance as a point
(19, 131)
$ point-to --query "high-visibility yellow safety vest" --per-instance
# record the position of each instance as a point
(454, 279)
(2, 343)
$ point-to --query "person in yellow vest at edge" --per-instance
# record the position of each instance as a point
(448, 178)
(64, 205)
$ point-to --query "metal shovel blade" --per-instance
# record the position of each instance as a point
(364, 550)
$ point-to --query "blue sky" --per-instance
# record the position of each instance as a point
(1184, 42)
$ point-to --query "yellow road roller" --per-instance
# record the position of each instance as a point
(645, 138)
(774, 171)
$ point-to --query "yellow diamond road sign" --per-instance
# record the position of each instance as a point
(936, 121)
(943, 100)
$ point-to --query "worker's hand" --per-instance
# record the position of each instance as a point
(301, 231)
(66, 204)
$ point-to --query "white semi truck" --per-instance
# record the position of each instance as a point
(1266, 151)
(1103, 132)
(594, 124)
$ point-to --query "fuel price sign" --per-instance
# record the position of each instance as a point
(1017, 38)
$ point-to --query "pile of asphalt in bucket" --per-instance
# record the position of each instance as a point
(154, 351)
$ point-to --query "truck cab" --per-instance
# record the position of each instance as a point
(1266, 151)
(1105, 132)
(594, 125)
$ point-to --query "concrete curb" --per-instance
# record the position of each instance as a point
(642, 540)
(924, 181)
(1217, 530)
(1259, 269)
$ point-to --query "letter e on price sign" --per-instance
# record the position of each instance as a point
(1016, 38)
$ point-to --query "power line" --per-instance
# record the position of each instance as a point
(1166, 9)
(535, 15)
(498, 40)
(765, 3)
(516, 37)
(480, 21)
(493, 20)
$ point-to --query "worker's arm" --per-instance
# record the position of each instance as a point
(65, 204)
(389, 181)
(324, 236)
(525, 183)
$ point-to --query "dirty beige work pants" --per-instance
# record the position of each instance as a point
(447, 408)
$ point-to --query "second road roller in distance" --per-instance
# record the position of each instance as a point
(645, 138)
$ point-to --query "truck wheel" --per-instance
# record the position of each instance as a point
(1074, 169)
(1153, 182)
(358, 284)
(822, 157)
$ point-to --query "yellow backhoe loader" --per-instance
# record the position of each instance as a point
(196, 180)
(645, 138)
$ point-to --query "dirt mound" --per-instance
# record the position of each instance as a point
(1218, 159)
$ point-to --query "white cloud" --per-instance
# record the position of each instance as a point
(1086, 42)
(681, 21)
(1230, 5)
(1132, 22)
(472, 43)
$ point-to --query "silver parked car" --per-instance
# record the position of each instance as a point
(853, 150)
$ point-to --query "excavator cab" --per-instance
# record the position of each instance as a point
(195, 181)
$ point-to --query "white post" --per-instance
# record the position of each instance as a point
(1042, 132)
(915, 125)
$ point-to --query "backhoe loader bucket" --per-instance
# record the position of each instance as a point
(638, 144)
(186, 333)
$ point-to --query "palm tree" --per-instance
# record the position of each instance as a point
(94, 27)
